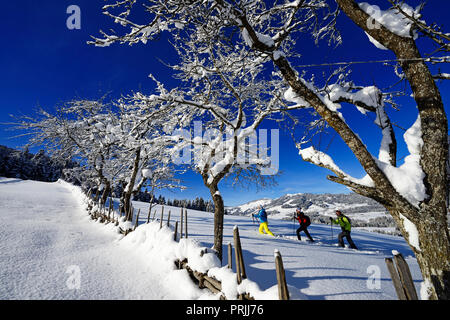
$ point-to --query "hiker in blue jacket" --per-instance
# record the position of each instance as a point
(263, 225)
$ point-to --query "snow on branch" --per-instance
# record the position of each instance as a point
(432, 31)
(365, 99)
(442, 76)
(323, 160)
(408, 179)
(393, 19)
(368, 99)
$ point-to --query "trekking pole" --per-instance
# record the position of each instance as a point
(293, 225)
(331, 227)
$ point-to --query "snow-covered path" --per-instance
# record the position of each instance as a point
(43, 246)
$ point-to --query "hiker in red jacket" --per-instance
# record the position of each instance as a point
(304, 223)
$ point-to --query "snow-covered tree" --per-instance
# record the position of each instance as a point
(225, 92)
(143, 150)
(73, 132)
(418, 202)
(108, 143)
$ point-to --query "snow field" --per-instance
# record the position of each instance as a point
(47, 241)
(42, 237)
(319, 270)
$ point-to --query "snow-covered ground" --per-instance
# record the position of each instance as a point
(44, 232)
(47, 241)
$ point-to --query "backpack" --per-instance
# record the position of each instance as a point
(349, 220)
(305, 219)
(349, 223)
(308, 221)
(263, 213)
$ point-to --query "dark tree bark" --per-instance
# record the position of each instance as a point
(219, 211)
(130, 186)
(106, 191)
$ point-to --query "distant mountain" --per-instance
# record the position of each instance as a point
(363, 212)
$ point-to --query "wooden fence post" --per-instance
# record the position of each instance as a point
(162, 217)
(230, 256)
(168, 219)
(176, 231)
(395, 279)
(185, 223)
(283, 293)
(240, 267)
(181, 224)
(130, 212)
(137, 220)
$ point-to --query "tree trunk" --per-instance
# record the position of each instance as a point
(151, 203)
(219, 211)
(130, 186)
(106, 191)
(434, 256)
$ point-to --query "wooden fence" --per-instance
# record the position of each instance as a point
(215, 286)
(107, 215)
(401, 277)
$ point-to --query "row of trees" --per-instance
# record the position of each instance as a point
(26, 165)
(115, 151)
(198, 203)
(234, 71)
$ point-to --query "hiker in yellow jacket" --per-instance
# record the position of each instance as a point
(346, 227)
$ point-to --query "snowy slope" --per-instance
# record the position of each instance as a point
(44, 231)
(49, 231)
(314, 271)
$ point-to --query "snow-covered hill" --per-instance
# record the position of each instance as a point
(44, 231)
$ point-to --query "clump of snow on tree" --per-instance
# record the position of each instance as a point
(408, 178)
(392, 19)
(319, 158)
(413, 233)
(375, 42)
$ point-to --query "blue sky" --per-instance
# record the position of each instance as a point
(43, 64)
